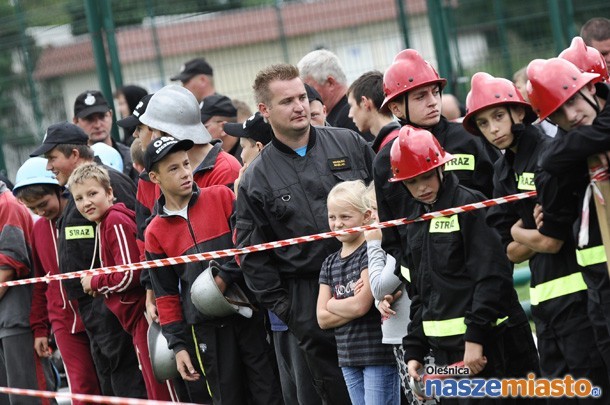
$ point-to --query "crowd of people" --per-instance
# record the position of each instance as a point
(353, 319)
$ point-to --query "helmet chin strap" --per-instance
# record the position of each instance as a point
(593, 103)
(405, 121)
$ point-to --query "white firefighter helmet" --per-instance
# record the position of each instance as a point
(208, 299)
(175, 111)
(162, 358)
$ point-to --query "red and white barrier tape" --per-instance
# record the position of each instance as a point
(98, 399)
(217, 254)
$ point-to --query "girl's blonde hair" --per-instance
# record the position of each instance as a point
(370, 195)
(353, 193)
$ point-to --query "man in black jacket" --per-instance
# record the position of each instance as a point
(65, 148)
(93, 115)
(282, 195)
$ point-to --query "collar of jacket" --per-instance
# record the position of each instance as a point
(383, 133)
(144, 176)
(285, 149)
(209, 160)
(445, 192)
(528, 139)
(192, 201)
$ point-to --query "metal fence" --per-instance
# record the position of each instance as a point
(51, 50)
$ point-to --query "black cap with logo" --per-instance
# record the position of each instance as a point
(160, 147)
(62, 133)
(90, 102)
(134, 119)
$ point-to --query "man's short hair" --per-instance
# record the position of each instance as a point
(34, 192)
(84, 151)
(282, 71)
(89, 171)
(369, 85)
(320, 64)
(596, 29)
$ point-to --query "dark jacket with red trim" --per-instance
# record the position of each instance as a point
(386, 134)
(117, 245)
(51, 308)
(15, 255)
(206, 229)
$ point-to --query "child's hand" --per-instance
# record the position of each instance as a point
(151, 306)
(538, 216)
(474, 358)
(41, 346)
(86, 283)
(185, 367)
(516, 227)
(385, 306)
(373, 234)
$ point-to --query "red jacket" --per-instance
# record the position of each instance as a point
(117, 245)
(50, 304)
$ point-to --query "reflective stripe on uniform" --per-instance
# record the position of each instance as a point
(449, 327)
(80, 232)
(460, 161)
(557, 288)
(525, 181)
(445, 224)
(406, 273)
(590, 256)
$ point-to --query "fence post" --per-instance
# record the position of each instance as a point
(27, 60)
(97, 41)
(403, 23)
(439, 35)
(556, 26)
(153, 27)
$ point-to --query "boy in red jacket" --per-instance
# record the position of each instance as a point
(38, 190)
(116, 245)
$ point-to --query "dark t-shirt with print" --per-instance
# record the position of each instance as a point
(358, 341)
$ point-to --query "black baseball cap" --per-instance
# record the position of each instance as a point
(197, 66)
(312, 94)
(134, 119)
(90, 102)
(61, 134)
(217, 104)
(160, 147)
(254, 128)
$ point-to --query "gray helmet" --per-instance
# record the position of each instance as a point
(163, 359)
(208, 299)
(175, 110)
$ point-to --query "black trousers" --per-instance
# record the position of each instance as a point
(236, 361)
(575, 354)
(112, 349)
(319, 346)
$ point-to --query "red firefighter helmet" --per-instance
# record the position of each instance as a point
(408, 71)
(586, 58)
(416, 151)
(552, 82)
(488, 91)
